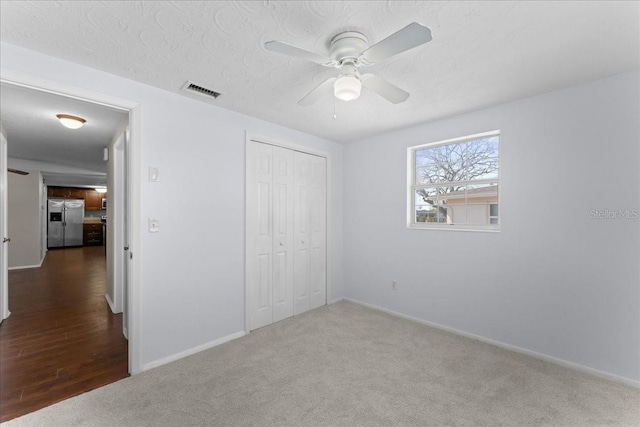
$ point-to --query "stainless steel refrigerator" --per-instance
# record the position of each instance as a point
(65, 218)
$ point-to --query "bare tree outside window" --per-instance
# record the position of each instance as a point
(456, 183)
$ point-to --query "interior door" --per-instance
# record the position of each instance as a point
(126, 202)
(116, 227)
(310, 228)
(259, 235)
(301, 234)
(4, 246)
(317, 232)
(282, 233)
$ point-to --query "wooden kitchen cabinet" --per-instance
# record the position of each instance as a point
(92, 199)
(92, 234)
(66, 192)
(57, 192)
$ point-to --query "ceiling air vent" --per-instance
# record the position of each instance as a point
(200, 90)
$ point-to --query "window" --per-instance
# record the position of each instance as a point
(493, 213)
(454, 184)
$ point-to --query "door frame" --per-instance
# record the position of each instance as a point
(4, 266)
(249, 137)
(133, 174)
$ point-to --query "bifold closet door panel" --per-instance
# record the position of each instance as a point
(301, 218)
(310, 224)
(317, 232)
(260, 235)
(282, 233)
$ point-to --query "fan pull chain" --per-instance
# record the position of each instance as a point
(334, 108)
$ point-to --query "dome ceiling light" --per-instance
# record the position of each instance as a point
(71, 122)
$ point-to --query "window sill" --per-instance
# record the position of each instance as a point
(446, 227)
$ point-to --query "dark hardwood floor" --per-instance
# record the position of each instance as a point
(61, 339)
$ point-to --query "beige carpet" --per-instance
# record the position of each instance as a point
(347, 365)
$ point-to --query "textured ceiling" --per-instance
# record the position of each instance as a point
(482, 53)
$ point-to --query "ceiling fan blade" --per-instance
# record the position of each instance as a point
(383, 88)
(18, 171)
(316, 93)
(407, 38)
(287, 49)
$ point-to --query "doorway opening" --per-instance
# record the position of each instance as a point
(99, 268)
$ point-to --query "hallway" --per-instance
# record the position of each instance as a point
(61, 339)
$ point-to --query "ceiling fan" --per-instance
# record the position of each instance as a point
(18, 171)
(349, 51)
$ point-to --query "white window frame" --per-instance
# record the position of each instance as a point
(413, 187)
(496, 217)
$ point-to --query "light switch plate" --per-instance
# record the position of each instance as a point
(154, 174)
(154, 225)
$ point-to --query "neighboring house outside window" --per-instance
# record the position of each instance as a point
(454, 184)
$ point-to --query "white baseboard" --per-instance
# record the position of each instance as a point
(335, 300)
(111, 305)
(541, 356)
(22, 267)
(189, 352)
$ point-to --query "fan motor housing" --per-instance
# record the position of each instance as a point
(347, 45)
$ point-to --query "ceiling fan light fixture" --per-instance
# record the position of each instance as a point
(347, 87)
(71, 122)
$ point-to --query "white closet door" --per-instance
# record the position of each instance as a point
(310, 226)
(317, 232)
(282, 233)
(286, 233)
(301, 235)
(259, 235)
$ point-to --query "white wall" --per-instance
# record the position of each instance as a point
(192, 271)
(24, 210)
(554, 280)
